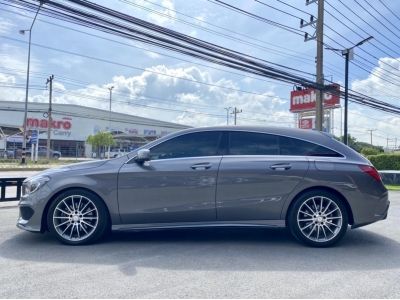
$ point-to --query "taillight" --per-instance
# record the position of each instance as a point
(371, 171)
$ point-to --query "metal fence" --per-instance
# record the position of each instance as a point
(13, 195)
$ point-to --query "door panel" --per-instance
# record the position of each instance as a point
(168, 190)
(255, 187)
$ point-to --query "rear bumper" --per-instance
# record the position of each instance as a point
(379, 216)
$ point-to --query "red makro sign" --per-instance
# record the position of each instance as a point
(304, 100)
(64, 124)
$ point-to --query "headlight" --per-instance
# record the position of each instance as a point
(33, 184)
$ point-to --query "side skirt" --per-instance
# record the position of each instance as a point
(155, 226)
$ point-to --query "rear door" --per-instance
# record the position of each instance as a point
(254, 180)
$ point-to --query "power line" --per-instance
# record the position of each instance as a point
(388, 8)
(375, 18)
(369, 25)
(165, 38)
(152, 51)
(278, 9)
(360, 28)
(133, 67)
(227, 29)
(257, 17)
(373, 56)
(294, 7)
(140, 97)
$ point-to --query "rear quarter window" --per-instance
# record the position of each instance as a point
(292, 146)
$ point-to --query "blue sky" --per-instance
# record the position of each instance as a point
(146, 81)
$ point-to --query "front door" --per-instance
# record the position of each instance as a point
(177, 185)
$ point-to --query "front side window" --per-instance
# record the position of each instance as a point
(296, 147)
(188, 145)
(249, 143)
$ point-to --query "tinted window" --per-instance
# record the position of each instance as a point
(248, 143)
(291, 146)
(188, 145)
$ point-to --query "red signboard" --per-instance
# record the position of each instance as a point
(306, 123)
(65, 123)
(304, 100)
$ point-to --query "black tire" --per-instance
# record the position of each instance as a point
(56, 156)
(100, 229)
(315, 219)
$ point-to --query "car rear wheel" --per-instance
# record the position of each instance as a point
(318, 219)
(77, 217)
(56, 156)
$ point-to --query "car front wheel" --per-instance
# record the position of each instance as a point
(77, 217)
(318, 219)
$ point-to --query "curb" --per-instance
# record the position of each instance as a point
(23, 169)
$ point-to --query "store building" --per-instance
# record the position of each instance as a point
(72, 124)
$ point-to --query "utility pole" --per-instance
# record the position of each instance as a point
(319, 111)
(235, 112)
(370, 132)
(228, 109)
(49, 120)
(109, 118)
(318, 35)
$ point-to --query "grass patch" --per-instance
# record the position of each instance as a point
(392, 187)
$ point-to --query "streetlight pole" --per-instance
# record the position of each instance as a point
(109, 118)
(50, 120)
(348, 54)
(346, 95)
(23, 155)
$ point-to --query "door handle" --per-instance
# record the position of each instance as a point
(281, 167)
(201, 166)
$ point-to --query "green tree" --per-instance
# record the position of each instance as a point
(358, 146)
(100, 141)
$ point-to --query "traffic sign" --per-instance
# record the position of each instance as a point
(34, 137)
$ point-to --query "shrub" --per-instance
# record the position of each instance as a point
(369, 151)
(385, 161)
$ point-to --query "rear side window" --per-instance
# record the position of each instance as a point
(291, 146)
(188, 145)
(248, 143)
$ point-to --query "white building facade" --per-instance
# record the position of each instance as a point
(72, 124)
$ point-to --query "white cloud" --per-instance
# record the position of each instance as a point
(389, 69)
(186, 102)
(6, 26)
(67, 62)
(361, 119)
(152, 55)
(163, 17)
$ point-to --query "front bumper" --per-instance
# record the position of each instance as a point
(31, 209)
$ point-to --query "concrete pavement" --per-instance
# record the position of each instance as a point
(209, 263)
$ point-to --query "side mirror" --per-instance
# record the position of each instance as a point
(143, 155)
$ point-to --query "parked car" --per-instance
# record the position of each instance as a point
(42, 152)
(114, 153)
(7, 154)
(216, 176)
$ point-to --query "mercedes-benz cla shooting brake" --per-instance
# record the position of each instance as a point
(208, 177)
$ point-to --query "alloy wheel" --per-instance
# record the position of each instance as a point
(319, 219)
(75, 218)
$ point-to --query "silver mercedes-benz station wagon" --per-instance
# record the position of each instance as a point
(208, 177)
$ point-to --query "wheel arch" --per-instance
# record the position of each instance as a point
(44, 225)
(324, 188)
